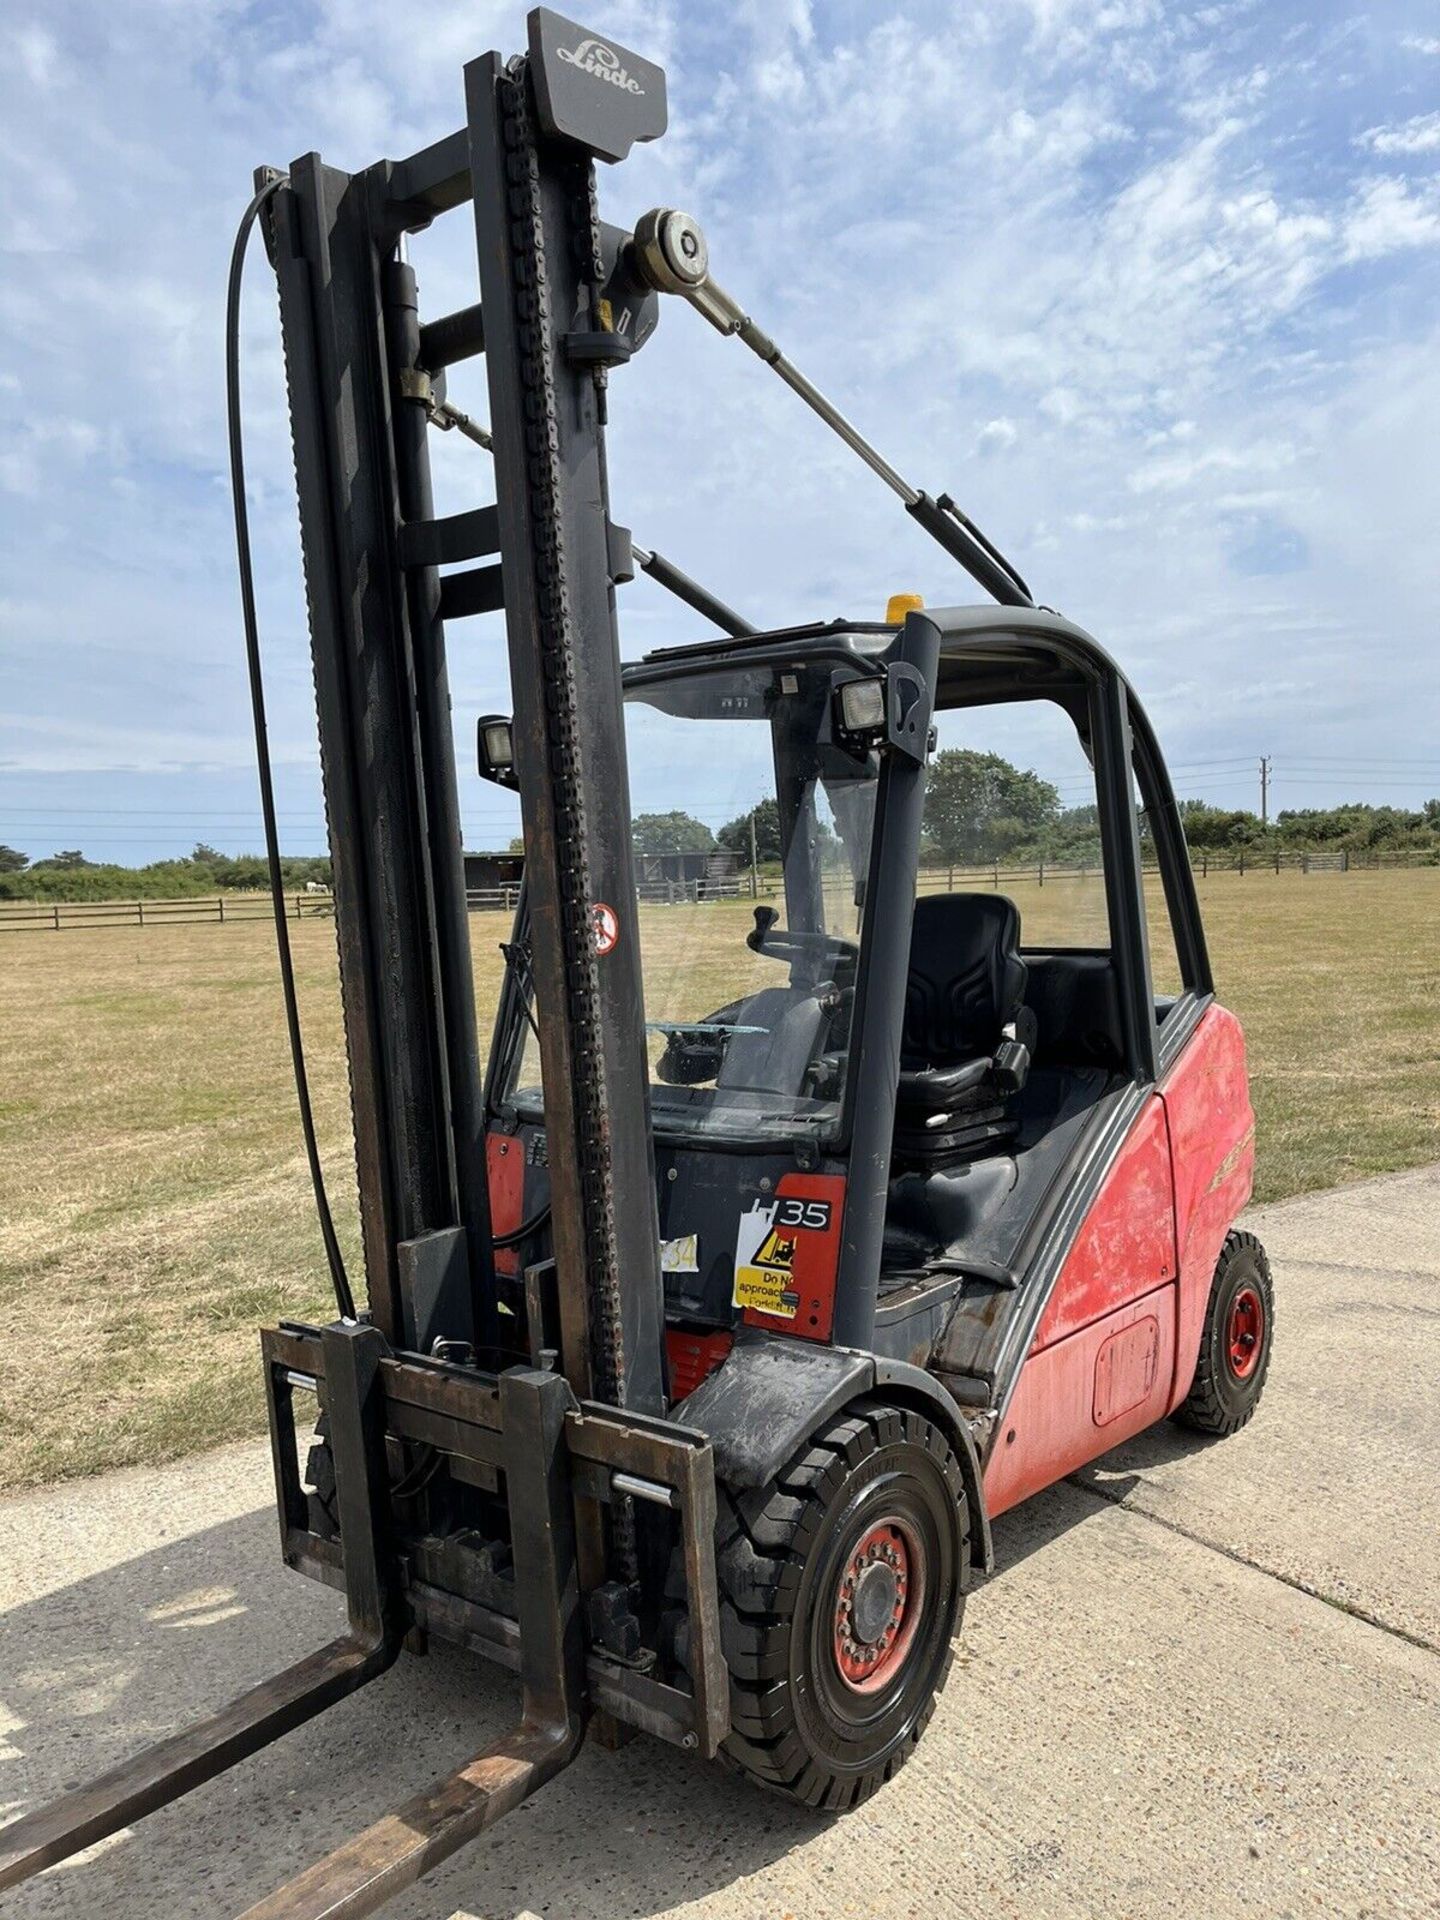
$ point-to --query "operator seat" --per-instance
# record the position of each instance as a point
(965, 1046)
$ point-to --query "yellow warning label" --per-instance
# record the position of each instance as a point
(777, 1252)
(765, 1290)
(764, 1263)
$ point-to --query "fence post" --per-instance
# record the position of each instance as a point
(1345, 860)
(140, 911)
(220, 903)
(997, 876)
(1042, 871)
(1242, 863)
(56, 911)
(1204, 866)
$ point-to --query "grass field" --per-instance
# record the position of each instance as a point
(154, 1208)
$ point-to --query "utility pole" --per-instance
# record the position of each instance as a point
(1265, 790)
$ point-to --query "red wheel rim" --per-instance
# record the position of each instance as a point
(879, 1600)
(1245, 1333)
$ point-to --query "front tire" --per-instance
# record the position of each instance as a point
(1235, 1341)
(842, 1586)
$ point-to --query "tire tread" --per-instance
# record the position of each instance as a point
(763, 1536)
(1205, 1408)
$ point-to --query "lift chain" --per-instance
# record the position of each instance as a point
(532, 305)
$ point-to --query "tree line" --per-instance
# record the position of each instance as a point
(979, 808)
(68, 875)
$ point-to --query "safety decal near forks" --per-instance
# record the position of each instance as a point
(786, 1253)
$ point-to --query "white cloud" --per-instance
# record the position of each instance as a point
(1418, 135)
(36, 49)
(996, 436)
(1387, 216)
(1116, 243)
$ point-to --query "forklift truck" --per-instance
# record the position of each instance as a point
(702, 1342)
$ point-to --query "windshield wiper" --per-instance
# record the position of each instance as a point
(517, 965)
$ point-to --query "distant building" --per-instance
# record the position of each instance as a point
(717, 871)
(493, 872)
(694, 875)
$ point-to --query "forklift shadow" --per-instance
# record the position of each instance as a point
(1116, 1475)
(1037, 1523)
(93, 1672)
(1046, 1517)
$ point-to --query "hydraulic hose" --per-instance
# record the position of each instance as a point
(339, 1278)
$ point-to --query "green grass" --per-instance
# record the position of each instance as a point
(154, 1205)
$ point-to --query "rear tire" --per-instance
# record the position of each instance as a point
(1235, 1341)
(842, 1586)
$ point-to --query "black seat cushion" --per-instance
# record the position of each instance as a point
(966, 980)
(966, 986)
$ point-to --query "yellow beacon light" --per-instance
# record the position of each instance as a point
(899, 604)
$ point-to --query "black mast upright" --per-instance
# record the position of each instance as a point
(388, 770)
(552, 321)
(534, 127)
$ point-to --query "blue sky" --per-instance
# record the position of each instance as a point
(1151, 289)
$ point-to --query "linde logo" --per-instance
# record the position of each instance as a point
(593, 56)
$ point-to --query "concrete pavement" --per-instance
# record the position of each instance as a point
(1205, 1678)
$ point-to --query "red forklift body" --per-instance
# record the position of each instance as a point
(780, 1242)
(1117, 1348)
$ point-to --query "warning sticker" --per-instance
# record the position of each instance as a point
(606, 924)
(787, 1254)
(765, 1263)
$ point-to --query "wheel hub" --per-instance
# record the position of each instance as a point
(877, 1605)
(872, 1608)
(1245, 1332)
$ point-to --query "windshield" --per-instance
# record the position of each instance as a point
(752, 828)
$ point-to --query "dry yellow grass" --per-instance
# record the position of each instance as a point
(154, 1208)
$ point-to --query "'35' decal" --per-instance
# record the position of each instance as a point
(787, 1250)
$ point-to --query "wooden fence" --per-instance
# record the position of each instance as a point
(221, 909)
(57, 916)
(224, 909)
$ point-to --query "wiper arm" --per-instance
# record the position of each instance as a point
(670, 253)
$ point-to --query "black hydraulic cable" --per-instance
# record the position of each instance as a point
(950, 506)
(340, 1279)
(524, 1230)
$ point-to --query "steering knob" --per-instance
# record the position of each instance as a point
(765, 918)
(671, 250)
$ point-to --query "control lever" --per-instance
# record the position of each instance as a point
(765, 918)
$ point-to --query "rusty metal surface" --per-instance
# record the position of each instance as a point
(363, 1874)
(173, 1767)
(359, 1877)
(459, 1410)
